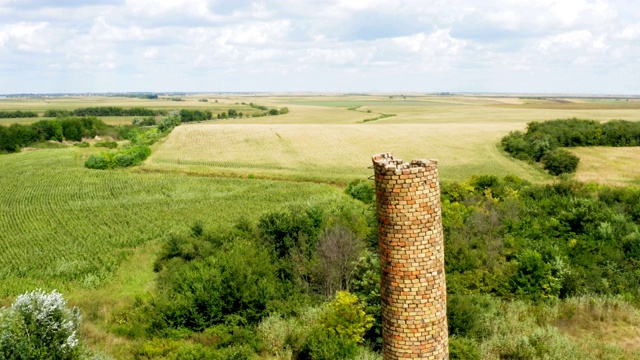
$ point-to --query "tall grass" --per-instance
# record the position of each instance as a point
(520, 330)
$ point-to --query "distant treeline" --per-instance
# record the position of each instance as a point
(269, 112)
(104, 111)
(232, 113)
(17, 114)
(17, 136)
(195, 115)
(542, 140)
(187, 115)
(137, 95)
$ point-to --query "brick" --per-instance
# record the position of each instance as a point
(413, 280)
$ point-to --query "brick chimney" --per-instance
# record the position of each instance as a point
(414, 297)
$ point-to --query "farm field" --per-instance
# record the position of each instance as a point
(610, 165)
(334, 153)
(50, 201)
(66, 227)
(445, 109)
(94, 235)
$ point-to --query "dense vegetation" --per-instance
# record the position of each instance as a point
(105, 111)
(138, 149)
(512, 249)
(195, 115)
(542, 140)
(268, 111)
(516, 240)
(225, 284)
(17, 136)
(17, 114)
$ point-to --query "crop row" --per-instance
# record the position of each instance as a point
(65, 226)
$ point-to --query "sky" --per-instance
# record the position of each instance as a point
(345, 46)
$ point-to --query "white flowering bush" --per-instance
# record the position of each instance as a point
(39, 326)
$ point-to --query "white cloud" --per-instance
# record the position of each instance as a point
(263, 55)
(582, 39)
(320, 43)
(328, 56)
(170, 9)
(26, 36)
(103, 31)
(571, 12)
(629, 32)
(436, 51)
(150, 53)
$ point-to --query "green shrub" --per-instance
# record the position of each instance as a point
(144, 121)
(97, 161)
(285, 230)
(534, 278)
(148, 137)
(466, 314)
(155, 348)
(362, 190)
(167, 123)
(106, 144)
(207, 281)
(199, 352)
(39, 326)
(323, 344)
(124, 160)
(194, 352)
(461, 348)
(276, 334)
(560, 161)
(341, 327)
(365, 284)
(83, 144)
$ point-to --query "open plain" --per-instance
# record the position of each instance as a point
(94, 234)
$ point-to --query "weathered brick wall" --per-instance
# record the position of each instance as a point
(414, 315)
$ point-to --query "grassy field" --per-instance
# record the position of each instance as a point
(608, 165)
(334, 153)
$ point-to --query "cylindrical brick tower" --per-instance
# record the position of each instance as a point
(414, 297)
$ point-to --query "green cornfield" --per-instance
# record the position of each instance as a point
(63, 226)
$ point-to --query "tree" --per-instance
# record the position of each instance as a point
(560, 161)
(534, 278)
(172, 120)
(340, 329)
(338, 251)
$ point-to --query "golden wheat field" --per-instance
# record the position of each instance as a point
(608, 165)
(335, 153)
